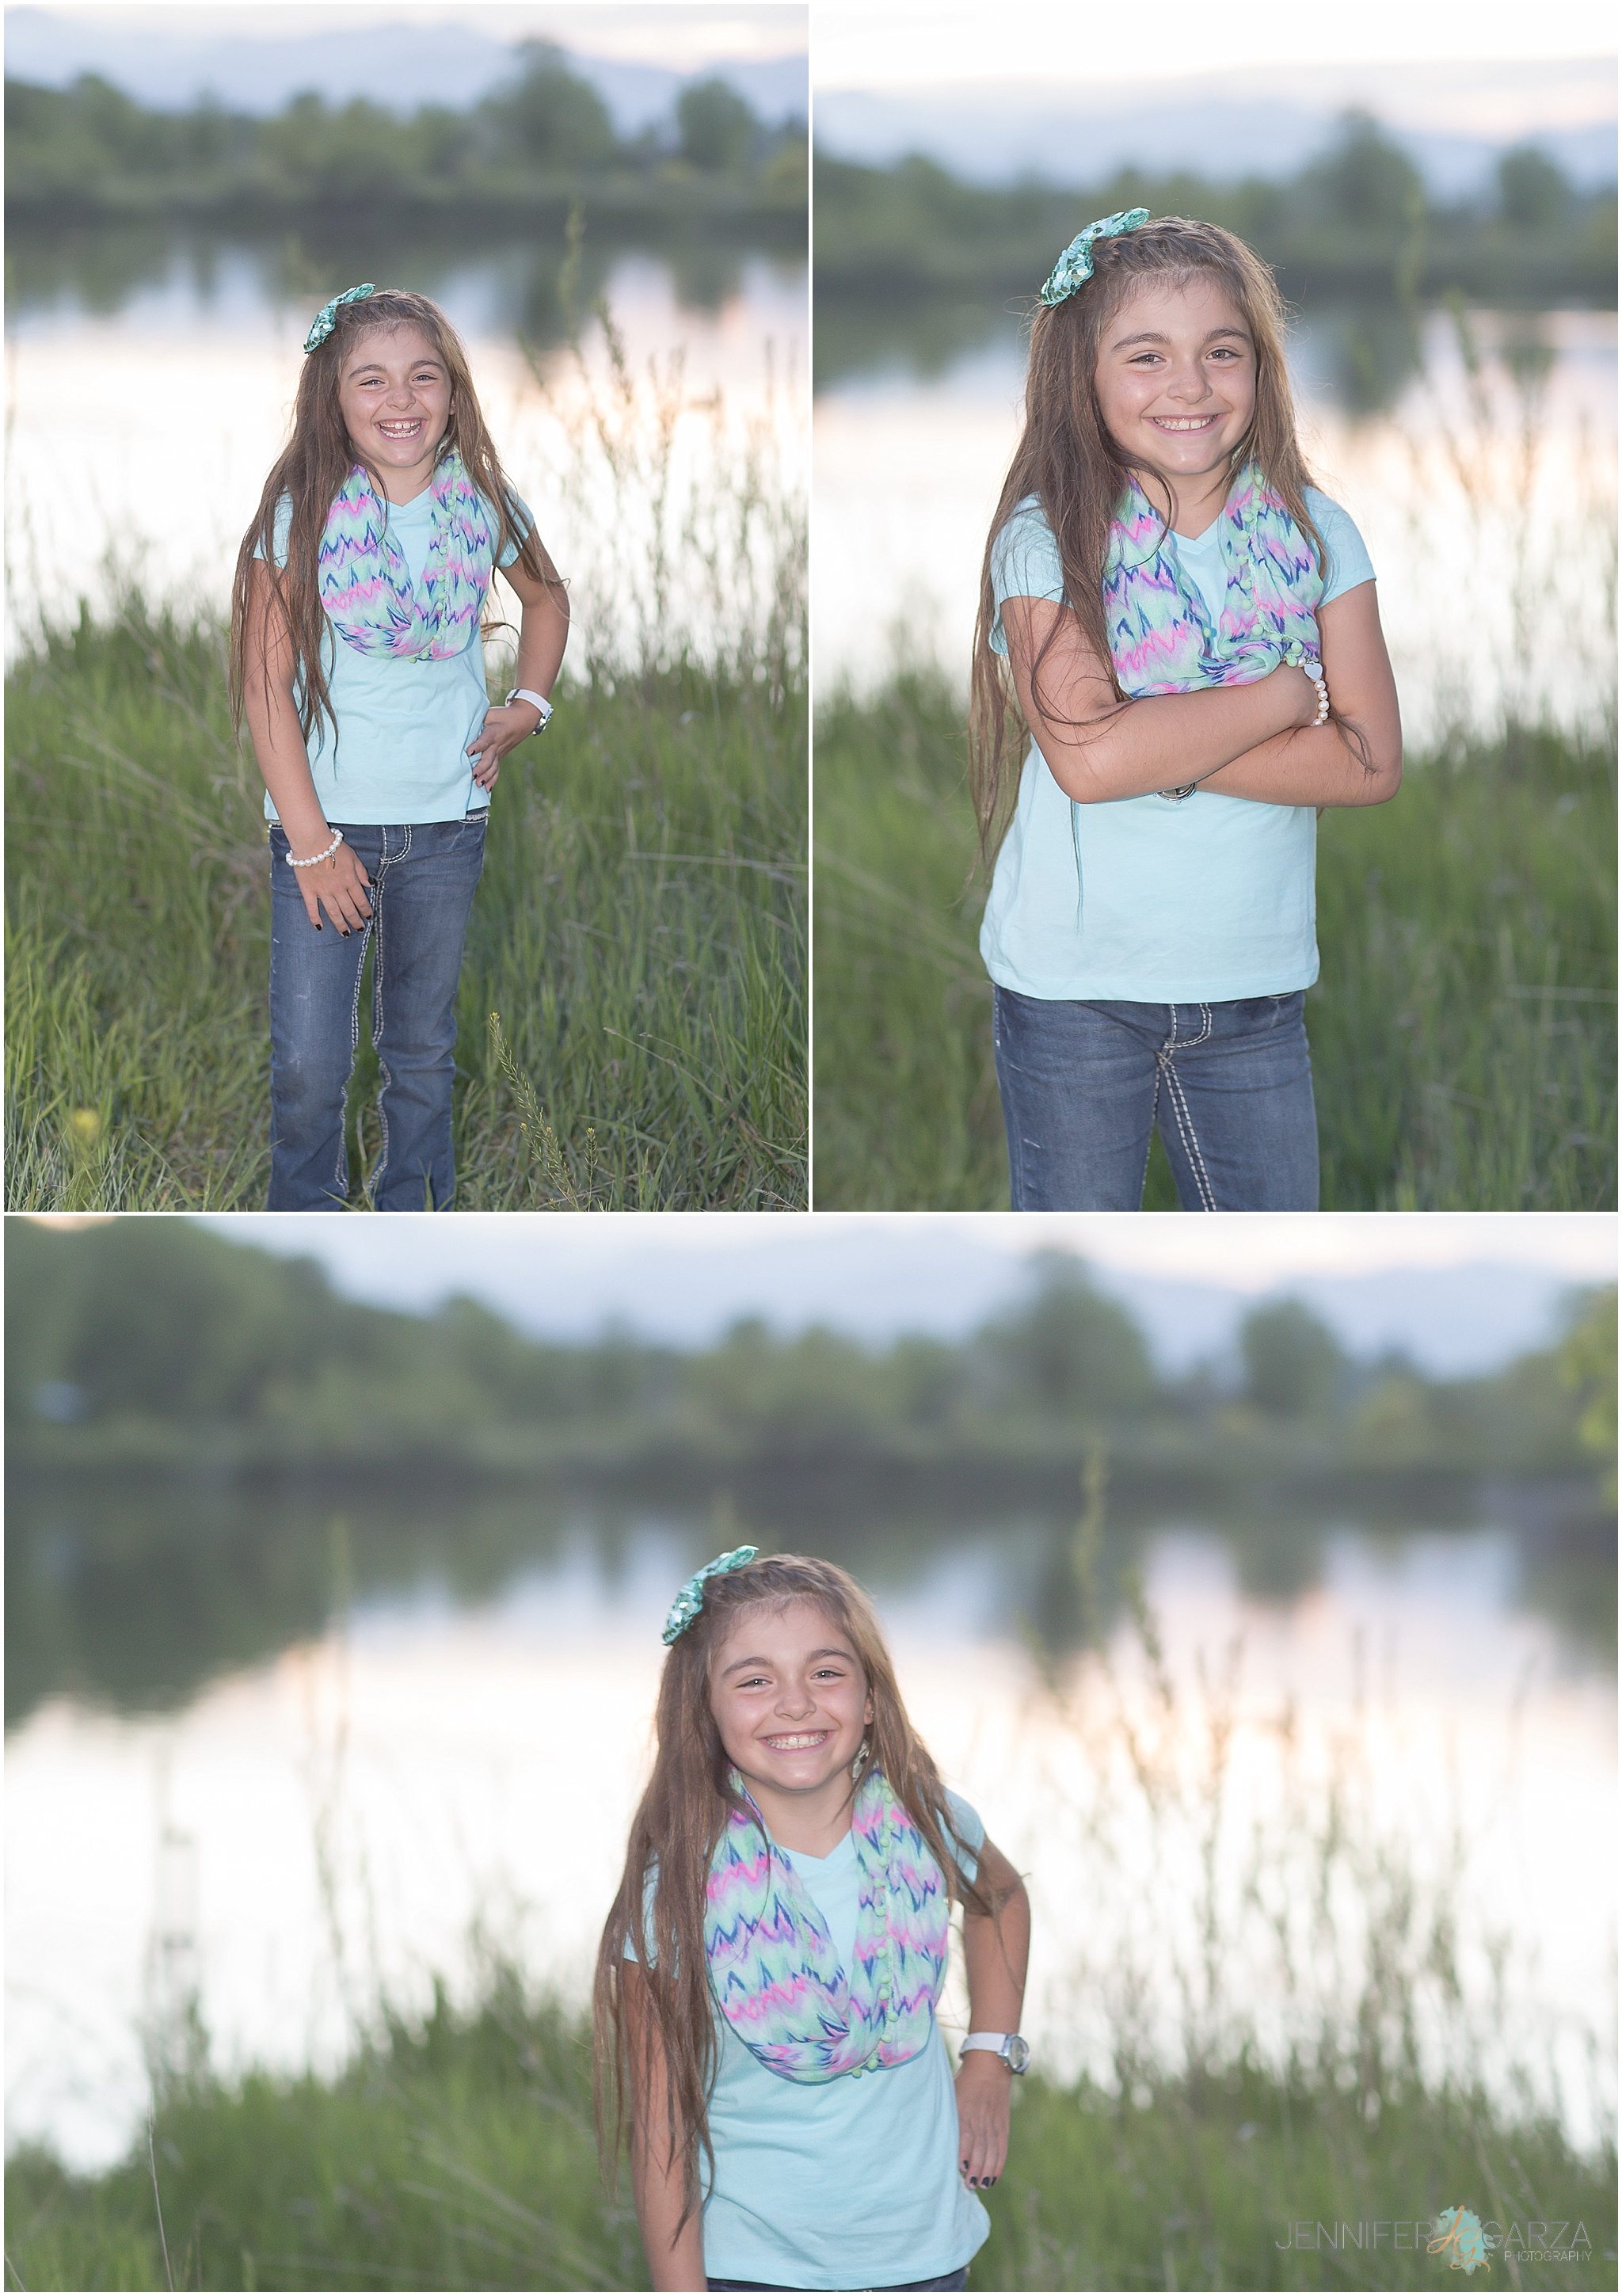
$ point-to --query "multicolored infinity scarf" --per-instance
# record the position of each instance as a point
(366, 586)
(772, 1968)
(1159, 626)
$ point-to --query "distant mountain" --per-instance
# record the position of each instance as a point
(416, 63)
(564, 1279)
(1222, 130)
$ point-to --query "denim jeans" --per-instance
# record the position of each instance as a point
(958, 2279)
(423, 879)
(1085, 1086)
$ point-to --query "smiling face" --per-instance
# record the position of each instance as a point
(1177, 387)
(395, 397)
(790, 1701)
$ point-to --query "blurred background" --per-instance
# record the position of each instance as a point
(610, 203)
(1439, 207)
(1261, 1596)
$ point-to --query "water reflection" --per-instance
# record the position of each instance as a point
(135, 1605)
(355, 1801)
(522, 285)
(1477, 454)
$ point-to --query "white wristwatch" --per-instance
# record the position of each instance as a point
(1012, 2048)
(523, 693)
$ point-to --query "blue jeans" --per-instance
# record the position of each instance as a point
(958, 2279)
(423, 879)
(1085, 1086)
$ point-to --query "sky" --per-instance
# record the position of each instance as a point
(859, 45)
(677, 34)
(1248, 1252)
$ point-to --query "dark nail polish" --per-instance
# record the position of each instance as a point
(318, 927)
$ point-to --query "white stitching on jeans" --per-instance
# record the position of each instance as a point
(1186, 1125)
(1179, 1103)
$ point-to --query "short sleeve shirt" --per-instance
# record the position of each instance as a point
(1151, 899)
(851, 2182)
(399, 753)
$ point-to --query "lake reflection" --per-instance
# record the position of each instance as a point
(1478, 456)
(469, 1746)
(151, 376)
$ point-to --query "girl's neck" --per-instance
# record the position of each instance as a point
(1196, 503)
(814, 1824)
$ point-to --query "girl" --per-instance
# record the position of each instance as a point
(356, 658)
(1158, 578)
(781, 1933)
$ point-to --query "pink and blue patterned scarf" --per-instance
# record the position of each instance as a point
(1159, 626)
(772, 1965)
(366, 586)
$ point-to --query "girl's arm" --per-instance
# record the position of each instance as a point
(997, 1952)
(1098, 748)
(338, 884)
(543, 635)
(1318, 765)
(675, 2260)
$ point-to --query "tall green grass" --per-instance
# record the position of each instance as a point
(639, 931)
(1463, 1030)
(456, 2151)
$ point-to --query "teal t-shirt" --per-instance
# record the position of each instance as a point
(851, 2182)
(1152, 899)
(401, 751)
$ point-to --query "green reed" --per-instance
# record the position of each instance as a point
(1464, 1030)
(639, 930)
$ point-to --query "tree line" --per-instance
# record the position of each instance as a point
(159, 1341)
(89, 154)
(1357, 220)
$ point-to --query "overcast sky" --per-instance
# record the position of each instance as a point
(907, 46)
(677, 33)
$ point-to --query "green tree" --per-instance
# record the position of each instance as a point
(1588, 1367)
(552, 119)
(1292, 1362)
(1366, 180)
(1071, 1353)
(1532, 191)
(717, 129)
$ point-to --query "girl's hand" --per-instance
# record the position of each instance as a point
(504, 728)
(337, 885)
(983, 2085)
(1297, 697)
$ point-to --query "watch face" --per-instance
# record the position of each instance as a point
(1017, 2053)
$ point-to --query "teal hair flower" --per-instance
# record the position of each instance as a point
(690, 1602)
(1074, 267)
(325, 318)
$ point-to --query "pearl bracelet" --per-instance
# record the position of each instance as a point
(311, 859)
(1323, 716)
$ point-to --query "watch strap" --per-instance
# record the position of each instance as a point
(1011, 2048)
(525, 693)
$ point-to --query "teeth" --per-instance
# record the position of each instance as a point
(789, 1745)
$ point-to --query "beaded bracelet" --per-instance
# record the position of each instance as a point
(311, 859)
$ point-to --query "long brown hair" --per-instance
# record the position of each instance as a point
(1066, 458)
(679, 1821)
(317, 459)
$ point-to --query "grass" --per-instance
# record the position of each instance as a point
(639, 931)
(457, 2152)
(1463, 1030)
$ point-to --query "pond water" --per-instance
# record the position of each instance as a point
(331, 1812)
(147, 403)
(1479, 465)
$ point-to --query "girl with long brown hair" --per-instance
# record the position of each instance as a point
(769, 1970)
(356, 622)
(1187, 631)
